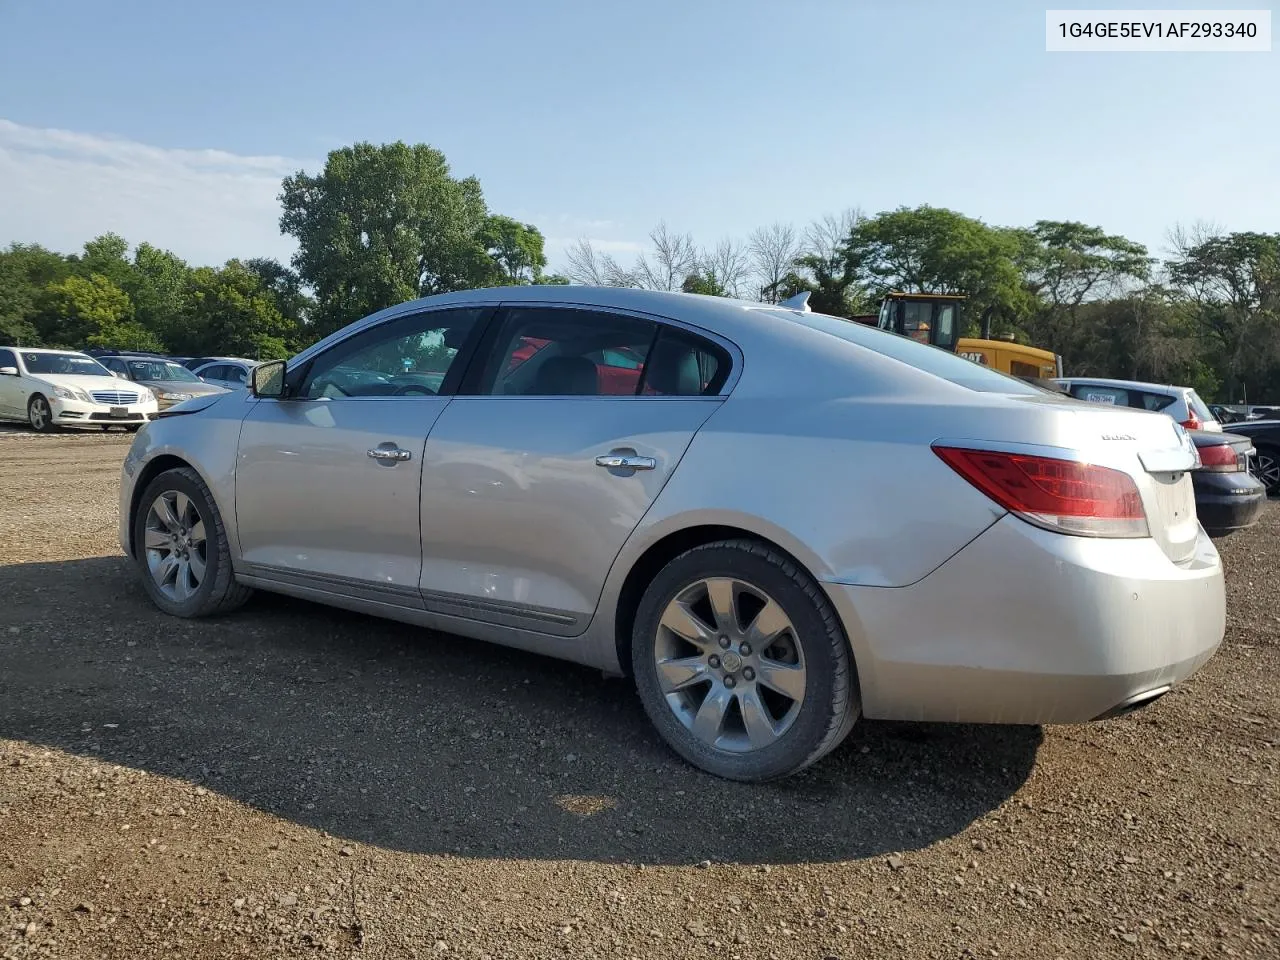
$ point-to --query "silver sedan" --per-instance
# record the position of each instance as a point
(775, 521)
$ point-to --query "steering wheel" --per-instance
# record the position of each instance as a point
(414, 389)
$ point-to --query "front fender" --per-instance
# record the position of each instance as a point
(206, 440)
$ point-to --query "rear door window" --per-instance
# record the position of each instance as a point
(1113, 396)
(558, 351)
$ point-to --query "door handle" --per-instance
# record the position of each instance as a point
(615, 461)
(389, 453)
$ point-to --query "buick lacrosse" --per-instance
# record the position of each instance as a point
(774, 521)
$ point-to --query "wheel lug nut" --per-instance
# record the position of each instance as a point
(724, 643)
(714, 662)
(745, 649)
(730, 682)
(748, 674)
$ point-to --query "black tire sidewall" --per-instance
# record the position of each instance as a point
(796, 748)
(179, 481)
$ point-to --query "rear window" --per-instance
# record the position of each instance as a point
(1155, 401)
(933, 360)
(1122, 396)
(1114, 396)
(1198, 406)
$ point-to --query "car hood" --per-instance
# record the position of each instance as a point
(88, 384)
(197, 388)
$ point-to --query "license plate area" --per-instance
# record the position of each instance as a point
(119, 413)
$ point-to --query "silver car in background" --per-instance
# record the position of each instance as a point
(230, 374)
(775, 521)
(1183, 404)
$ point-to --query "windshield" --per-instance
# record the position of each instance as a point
(160, 370)
(935, 360)
(66, 364)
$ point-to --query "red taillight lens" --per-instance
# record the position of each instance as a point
(1063, 495)
(1219, 458)
(1192, 422)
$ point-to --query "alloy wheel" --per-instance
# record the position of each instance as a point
(39, 413)
(175, 545)
(729, 664)
(1267, 470)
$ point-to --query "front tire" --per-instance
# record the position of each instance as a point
(40, 414)
(182, 550)
(741, 663)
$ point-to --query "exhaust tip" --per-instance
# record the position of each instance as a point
(1134, 703)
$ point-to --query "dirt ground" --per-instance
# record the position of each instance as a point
(296, 781)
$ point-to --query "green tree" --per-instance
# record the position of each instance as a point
(381, 225)
(285, 287)
(515, 248)
(935, 250)
(97, 313)
(158, 284)
(1066, 264)
(108, 256)
(1233, 283)
(704, 282)
(26, 270)
(17, 303)
(233, 312)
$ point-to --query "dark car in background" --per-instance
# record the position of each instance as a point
(1228, 496)
(1265, 435)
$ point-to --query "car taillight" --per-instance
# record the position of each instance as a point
(1220, 458)
(1192, 422)
(1067, 496)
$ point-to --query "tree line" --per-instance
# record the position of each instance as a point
(381, 224)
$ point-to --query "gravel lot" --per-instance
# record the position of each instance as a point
(297, 781)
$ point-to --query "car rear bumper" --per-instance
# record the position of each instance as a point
(1226, 502)
(1028, 626)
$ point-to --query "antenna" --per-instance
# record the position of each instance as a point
(799, 302)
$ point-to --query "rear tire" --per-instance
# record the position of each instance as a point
(741, 662)
(182, 550)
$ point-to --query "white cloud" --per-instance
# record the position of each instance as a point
(614, 247)
(62, 188)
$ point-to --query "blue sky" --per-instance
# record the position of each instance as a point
(174, 122)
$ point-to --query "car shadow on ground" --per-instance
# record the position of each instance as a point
(417, 741)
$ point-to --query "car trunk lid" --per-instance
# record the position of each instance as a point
(1159, 455)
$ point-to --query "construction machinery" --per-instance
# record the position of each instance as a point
(935, 319)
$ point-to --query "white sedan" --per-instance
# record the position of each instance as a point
(62, 388)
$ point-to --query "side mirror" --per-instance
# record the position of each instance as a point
(267, 379)
(8, 371)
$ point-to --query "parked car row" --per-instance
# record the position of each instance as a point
(50, 389)
(1237, 471)
(62, 388)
